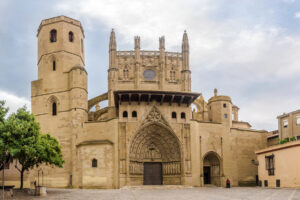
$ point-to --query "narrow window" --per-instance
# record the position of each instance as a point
(71, 36)
(270, 165)
(225, 116)
(285, 123)
(134, 114)
(125, 114)
(174, 115)
(182, 115)
(94, 163)
(224, 105)
(53, 35)
(54, 65)
(54, 109)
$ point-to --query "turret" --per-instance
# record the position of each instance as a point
(220, 109)
(185, 51)
(112, 49)
(113, 70)
(137, 42)
(162, 43)
(137, 48)
(185, 73)
(235, 113)
(162, 61)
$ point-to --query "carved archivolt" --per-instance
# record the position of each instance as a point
(155, 143)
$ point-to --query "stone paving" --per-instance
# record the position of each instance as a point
(164, 193)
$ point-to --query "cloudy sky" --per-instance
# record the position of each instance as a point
(248, 49)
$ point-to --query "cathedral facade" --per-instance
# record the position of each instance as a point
(148, 134)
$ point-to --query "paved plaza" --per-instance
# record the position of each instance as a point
(164, 193)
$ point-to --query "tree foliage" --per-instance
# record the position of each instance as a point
(27, 145)
(4, 149)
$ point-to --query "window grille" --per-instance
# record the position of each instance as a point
(270, 165)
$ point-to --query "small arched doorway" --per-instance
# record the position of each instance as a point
(211, 169)
(155, 157)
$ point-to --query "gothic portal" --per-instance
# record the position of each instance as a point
(155, 143)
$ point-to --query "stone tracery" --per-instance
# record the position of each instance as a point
(155, 143)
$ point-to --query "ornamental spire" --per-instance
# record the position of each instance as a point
(185, 51)
(112, 41)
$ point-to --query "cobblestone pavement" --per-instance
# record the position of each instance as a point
(206, 193)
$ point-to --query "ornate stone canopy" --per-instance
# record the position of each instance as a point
(181, 98)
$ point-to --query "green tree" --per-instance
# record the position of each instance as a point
(28, 146)
(4, 151)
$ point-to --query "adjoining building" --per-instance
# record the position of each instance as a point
(273, 138)
(148, 133)
(289, 125)
(279, 163)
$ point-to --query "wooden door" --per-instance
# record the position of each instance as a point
(206, 175)
(152, 173)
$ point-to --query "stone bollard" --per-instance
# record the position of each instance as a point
(41, 191)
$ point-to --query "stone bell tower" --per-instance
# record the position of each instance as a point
(59, 96)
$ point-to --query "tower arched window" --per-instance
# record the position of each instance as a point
(134, 114)
(71, 36)
(53, 65)
(125, 114)
(53, 35)
(94, 163)
(182, 115)
(174, 115)
(54, 108)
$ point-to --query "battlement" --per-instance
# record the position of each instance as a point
(148, 53)
(61, 18)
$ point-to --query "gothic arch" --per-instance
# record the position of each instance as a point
(52, 58)
(156, 142)
(52, 99)
(212, 168)
(212, 152)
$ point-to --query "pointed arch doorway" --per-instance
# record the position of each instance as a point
(211, 169)
(155, 156)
